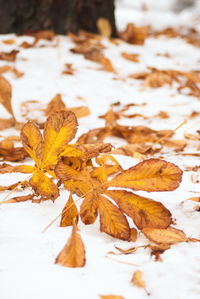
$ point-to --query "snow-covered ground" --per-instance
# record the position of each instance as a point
(27, 255)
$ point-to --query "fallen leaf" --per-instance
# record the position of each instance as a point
(73, 253)
(112, 220)
(59, 129)
(56, 104)
(111, 297)
(145, 212)
(19, 199)
(130, 57)
(104, 27)
(149, 175)
(6, 94)
(169, 235)
(137, 279)
(69, 213)
(9, 56)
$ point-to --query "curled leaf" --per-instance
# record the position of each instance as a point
(73, 253)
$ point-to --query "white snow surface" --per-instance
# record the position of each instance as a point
(27, 255)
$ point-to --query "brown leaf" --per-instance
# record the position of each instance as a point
(112, 220)
(73, 253)
(19, 199)
(9, 56)
(134, 35)
(169, 236)
(145, 212)
(8, 68)
(56, 104)
(6, 94)
(134, 235)
(149, 175)
(6, 123)
(130, 57)
(137, 279)
(196, 199)
(69, 213)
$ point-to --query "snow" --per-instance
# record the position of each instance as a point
(27, 255)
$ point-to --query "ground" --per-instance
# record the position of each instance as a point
(27, 267)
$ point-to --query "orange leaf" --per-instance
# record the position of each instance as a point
(73, 253)
(89, 208)
(137, 279)
(111, 297)
(60, 128)
(169, 236)
(145, 212)
(6, 94)
(149, 175)
(43, 185)
(112, 220)
(69, 213)
(32, 141)
(104, 27)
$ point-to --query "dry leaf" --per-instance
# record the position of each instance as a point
(137, 279)
(9, 56)
(56, 104)
(104, 27)
(196, 199)
(145, 212)
(32, 141)
(130, 57)
(134, 235)
(6, 94)
(169, 236)
(134, 35)
(73, 253)
(19, 199)
(111, 297)
(59, 129)
(43, 185)
(112, 220)
(149, 175)
(69, 213)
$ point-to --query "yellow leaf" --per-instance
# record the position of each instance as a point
(24, 169)
(60, 128)
(104, 27)
(145, 212)
(43, 185)
(71, 151)
(32, 141)
(169, 236)
(73, 253)
(6, 94)
(112, 220)
(149, 175)
(69, 213)
(137, 279)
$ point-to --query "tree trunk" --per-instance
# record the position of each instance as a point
(60, 16)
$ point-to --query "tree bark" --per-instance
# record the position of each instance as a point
(60, 16)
